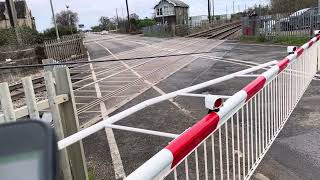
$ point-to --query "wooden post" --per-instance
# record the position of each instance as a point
(65, 169)
(70, 122)
(6, 103)
(30, 98)
(48, 61)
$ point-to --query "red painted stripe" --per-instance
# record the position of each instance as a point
(191, 138)
(310, 43)
(300, 51)
(254, 87)
(283, 64)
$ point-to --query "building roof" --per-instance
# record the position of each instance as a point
(176, 3)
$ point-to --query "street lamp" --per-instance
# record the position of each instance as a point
(54, 20)
(69, 18)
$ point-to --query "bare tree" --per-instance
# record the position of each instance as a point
(67, 18)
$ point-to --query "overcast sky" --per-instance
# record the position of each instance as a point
(90, 10)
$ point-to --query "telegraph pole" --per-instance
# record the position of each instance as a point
(209, 11)
(14, 21)
(226, 12)
(233, 7)
(318, 6)
(128, 16)
(213, 10)
(54, 20)
(117, 18)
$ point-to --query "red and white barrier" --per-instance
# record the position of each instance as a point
(274, 93)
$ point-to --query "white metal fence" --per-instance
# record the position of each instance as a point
(297, 24)
(66, 49)
(231, 143)
(228, 144)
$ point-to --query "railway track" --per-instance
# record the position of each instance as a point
(219, 32)
(17, 92)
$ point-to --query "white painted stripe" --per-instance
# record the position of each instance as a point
(292, 57)
(315, 39)
(186, 112)
(271, 73)
(231, 106)
(148, 171)
(305, 46)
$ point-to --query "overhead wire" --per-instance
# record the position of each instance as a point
(94, 61)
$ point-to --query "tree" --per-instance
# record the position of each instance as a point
(105, 23)
(134, 16)
(67, 18)
(289, 6)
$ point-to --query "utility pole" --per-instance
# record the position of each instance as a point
(226, 12)
(209, 11)
(318, 6)
(238, 8)
(117, 18)
(54, 20)
(14, 20)
(213, 10)
(233, 7)
(123, 19)
(128, 16)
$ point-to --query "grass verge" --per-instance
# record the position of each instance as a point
(280, 40)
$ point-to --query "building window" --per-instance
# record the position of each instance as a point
(161, 11)
(158, 12)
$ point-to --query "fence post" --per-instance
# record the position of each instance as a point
(65, 171)
(6, 103)
(30, 98)
(48, 61)
(70, 123)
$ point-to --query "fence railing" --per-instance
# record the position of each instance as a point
(66, 49)
(60, 104)
(299, 24)
(232, 142)
(159, 30)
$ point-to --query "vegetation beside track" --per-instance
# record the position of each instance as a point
(280, 40)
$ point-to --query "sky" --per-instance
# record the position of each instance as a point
(89, 11)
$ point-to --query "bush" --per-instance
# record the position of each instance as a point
(8, 36)
(283, 40)
(63, 31)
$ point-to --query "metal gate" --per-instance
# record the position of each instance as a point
(229, 143)
(66, 49)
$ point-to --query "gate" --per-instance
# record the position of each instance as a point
(231, 142)
(67, 48)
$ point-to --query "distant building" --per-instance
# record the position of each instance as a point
(24, 15)
(196, 20)
(172, 12)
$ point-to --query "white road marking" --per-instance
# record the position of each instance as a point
(188, 113)
(114, 151)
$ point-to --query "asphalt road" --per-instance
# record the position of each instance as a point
(294, 154)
